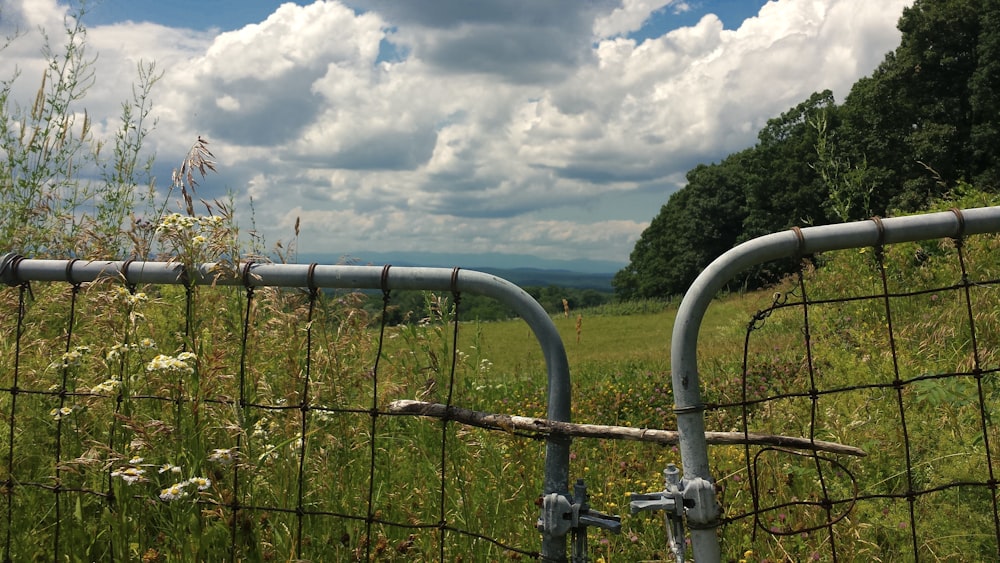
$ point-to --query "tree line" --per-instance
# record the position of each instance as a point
(925, 122)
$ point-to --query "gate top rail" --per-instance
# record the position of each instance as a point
(786, 244)
(15, 270)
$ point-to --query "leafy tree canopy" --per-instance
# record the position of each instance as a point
(927, 119)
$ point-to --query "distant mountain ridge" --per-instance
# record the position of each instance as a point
(522, 270)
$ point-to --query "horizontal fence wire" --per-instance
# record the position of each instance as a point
(893, 349)
(192, 422)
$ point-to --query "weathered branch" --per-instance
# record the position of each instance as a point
(509, 423)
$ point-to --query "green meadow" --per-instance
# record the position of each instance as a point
(125, 439)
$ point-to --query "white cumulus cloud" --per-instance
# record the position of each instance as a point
(492, 126)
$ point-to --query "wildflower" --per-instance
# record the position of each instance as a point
(73, 357)
(147, 344)
(175, 223)
(136, 460)
(223, 456)
(166, 363)
(210, 221)
(167, 467)
(106, 386)
(199, 240)
(173, 492)
(130, 475)
(115, 352)
(60, 412)
(201, 483)
(260, 428)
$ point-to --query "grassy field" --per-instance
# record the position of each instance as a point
(125, 438)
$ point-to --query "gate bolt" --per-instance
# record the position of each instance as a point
(560, 514)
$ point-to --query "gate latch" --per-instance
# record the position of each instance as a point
(679, 497)
(560, 513)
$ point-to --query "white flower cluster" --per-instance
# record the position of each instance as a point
(71, 358)
(197, 227)
(108, 387)
(183, 489)
(131, 474)
(129, 297)
(118, 350)
(166, 363)
(223, 456)
(61, 413)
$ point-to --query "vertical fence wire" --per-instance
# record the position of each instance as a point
(374, 412)
(979, 374)
(9, 482)
(898, 385)
(813, 409)
(61, 411)
(304, 411)
(240, 454)
(442, 519)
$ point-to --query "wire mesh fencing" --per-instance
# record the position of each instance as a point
(891, 348)
(153, 412)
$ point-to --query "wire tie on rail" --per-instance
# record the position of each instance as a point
(880, 243)
(69, 272)
(246, 274)
(800, 250)
(689, 409)
(8, 270)
(961, 226)
(124, 273)
(311, 279)
(961, 221)
(881, 230)
(385, 279)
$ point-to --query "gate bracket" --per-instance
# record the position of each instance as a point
(690, 499)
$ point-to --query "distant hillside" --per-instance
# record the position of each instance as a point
(535, 277)
(525, 271)
(470, 261)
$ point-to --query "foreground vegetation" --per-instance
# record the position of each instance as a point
(127, 427)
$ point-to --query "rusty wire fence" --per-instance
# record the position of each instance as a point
(158, 412)
(890, 350)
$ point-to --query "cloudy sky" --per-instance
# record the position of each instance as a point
(553, 128)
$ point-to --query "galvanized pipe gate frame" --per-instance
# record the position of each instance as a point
(702, 519)
(555, 489)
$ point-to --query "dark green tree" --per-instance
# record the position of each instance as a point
(699, 222)
(927, 119)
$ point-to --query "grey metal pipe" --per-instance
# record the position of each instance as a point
(14, 270)
(786, 244)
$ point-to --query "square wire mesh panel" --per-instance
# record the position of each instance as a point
(889, 349)
(191, 422)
